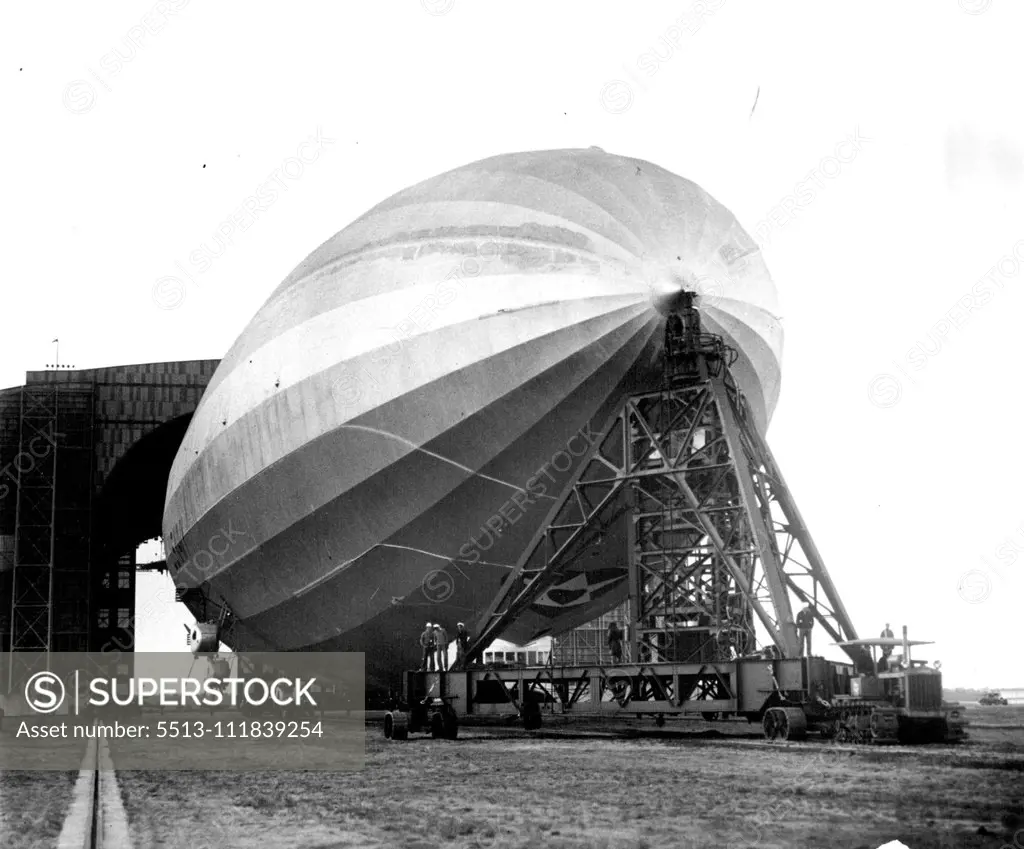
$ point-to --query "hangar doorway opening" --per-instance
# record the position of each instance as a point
(135, 607)
(162, 623)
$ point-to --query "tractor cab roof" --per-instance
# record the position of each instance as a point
(884, 642)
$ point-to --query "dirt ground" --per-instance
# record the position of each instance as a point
(595, 788)
(601, 788)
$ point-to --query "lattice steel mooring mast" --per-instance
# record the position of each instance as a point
(714, 540)
(684, 602)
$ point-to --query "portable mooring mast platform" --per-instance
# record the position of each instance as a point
(715, 544)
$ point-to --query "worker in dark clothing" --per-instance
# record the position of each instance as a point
(615, 642)
(804, 623)
(441, 644)
(427, 641)
(461, 644)
(886, 634)
(883, 661)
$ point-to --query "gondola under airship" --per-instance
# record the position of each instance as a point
(391, 430)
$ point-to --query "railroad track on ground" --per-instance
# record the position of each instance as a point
(96, 819)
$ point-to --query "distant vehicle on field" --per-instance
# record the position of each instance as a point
(992, 698)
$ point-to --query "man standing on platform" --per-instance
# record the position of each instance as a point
(883, 663)
(804, 623)
(429, 648)
(461, 644)
(441, 642)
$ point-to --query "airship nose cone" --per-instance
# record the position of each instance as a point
(668, 286)
(665, 293)
(667, 296)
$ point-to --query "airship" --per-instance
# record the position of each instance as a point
(397, 422)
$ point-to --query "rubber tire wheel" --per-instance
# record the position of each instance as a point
(437, 726)
(451, 726)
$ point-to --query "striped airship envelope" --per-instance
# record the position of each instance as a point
(394, 425)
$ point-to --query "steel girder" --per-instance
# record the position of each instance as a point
(596, 689)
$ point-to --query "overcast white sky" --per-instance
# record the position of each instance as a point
(122, 160)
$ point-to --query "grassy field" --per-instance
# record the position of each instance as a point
(1005, 717)
(33, 804)
(574, 787)
(599, 787)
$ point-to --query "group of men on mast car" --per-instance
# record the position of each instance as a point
(434, 642)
